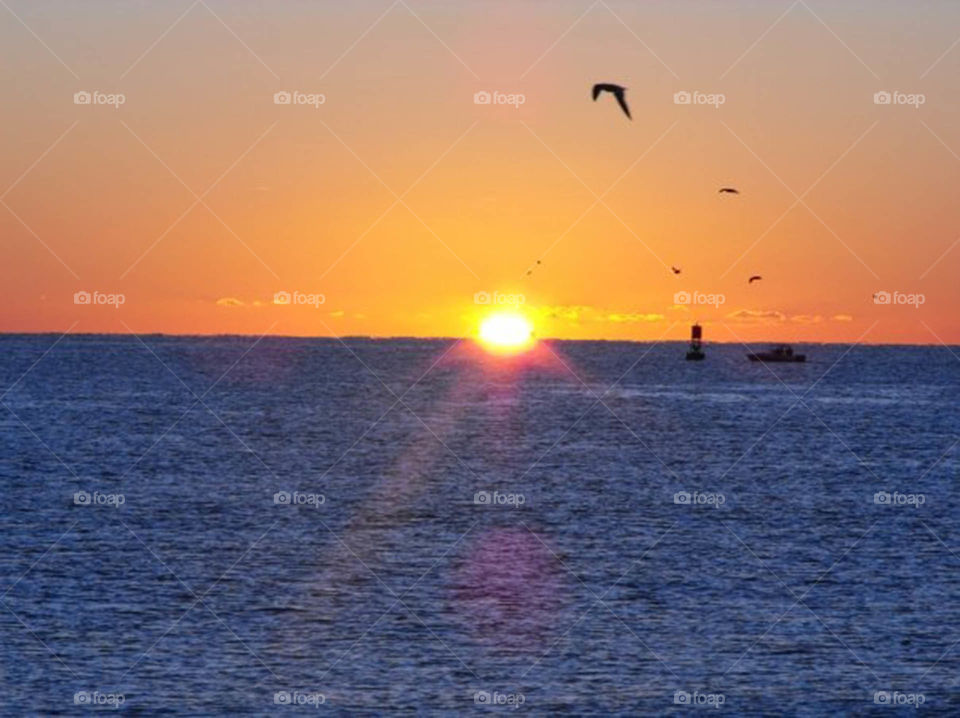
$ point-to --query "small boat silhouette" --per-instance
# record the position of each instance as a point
(782, 353)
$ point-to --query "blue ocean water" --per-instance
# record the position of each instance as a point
(227, 525)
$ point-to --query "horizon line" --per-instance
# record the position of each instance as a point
(396, 337)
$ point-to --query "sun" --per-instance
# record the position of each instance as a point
(506, 333)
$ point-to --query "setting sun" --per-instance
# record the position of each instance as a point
(506, 333)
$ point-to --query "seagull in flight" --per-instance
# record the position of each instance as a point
(728, 190)
(675, 270)
(617, 92)
(754, 278)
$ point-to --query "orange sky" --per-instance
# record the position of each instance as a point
(399, 198)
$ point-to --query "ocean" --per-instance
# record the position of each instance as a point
(244, 526)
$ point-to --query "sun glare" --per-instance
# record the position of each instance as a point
(506, 333)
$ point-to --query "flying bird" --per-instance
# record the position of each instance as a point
(617, 92)
(728, 190)
(675, 270)
(754, 278)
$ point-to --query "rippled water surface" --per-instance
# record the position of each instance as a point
(413, 525)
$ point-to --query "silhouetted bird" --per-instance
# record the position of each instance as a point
(729, 190)
(676, 270)
(617, 92)
(754, 278)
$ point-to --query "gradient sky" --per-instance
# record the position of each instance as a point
(297, 198)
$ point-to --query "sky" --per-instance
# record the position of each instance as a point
(384, 200)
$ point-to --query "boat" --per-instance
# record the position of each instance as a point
(783, 353)
(695, 352)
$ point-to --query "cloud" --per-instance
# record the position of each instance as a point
(634, 318)
(757, 315)
(842, 318)
(571, 313)
(806, 318)
(230, 302)
(580, 312)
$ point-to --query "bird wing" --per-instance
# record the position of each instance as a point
(597, 89)
(622, 101)
(754, 278)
